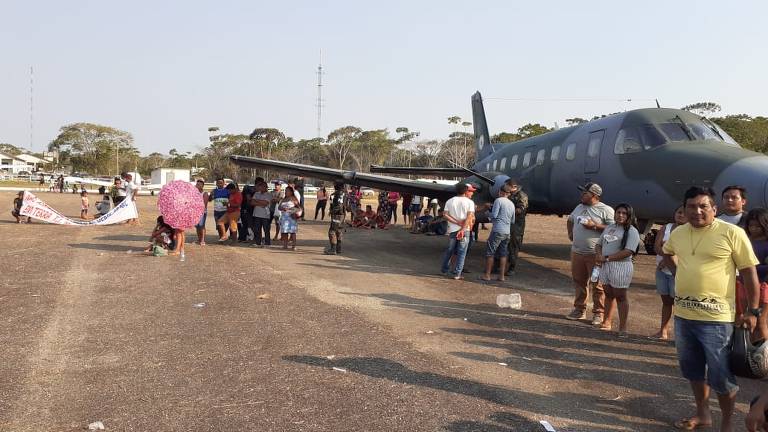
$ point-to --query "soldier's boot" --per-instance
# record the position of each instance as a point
(338, 247)
(330, 250)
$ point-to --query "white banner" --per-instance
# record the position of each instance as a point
(35, 208)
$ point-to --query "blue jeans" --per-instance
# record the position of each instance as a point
(262, 225)
(459, 248)
(665, 284)
(702, 351)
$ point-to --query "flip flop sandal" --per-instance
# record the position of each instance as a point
(689, 424)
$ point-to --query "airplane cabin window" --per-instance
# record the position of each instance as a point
(503, 164)
(526, 159)
(513, 162)
(495, 164)
(555, 153)
(570, 151)
(540, 157)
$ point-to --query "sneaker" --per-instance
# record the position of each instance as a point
(597, 319)
(577, 314)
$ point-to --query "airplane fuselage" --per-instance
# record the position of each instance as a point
(646, 158)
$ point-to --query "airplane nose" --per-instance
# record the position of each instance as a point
(749, 173)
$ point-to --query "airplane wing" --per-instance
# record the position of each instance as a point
(431, 171)
(436, 190)
(85, 180)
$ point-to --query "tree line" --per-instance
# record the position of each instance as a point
(104, 150)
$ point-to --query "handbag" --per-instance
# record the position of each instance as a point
(738, 358)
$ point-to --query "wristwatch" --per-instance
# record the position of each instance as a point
(756, 311)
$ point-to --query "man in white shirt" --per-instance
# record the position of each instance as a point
(459, 211)
(733, 198)
(262, 222)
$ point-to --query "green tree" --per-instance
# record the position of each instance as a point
(264, 140)
(10, 149)
(373, 147)
(751, 133)
(96, 148)
(505, 137)
(575, 121)
(703, 108)
(531, 130)
(341, 142)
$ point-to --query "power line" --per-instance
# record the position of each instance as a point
(569, 99)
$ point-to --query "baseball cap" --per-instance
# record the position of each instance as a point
(593, 188)
(471, 187)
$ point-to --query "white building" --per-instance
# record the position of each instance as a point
(33, 162)
(12, 164)
(163, 176)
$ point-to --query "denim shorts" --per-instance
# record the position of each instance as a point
(201, 222)
(702, 351)
(497, 245)
(665, 284)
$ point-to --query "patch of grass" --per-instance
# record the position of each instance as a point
(20, 184)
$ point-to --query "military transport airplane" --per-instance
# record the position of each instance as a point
(645, 157)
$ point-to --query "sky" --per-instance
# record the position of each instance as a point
(167, 71)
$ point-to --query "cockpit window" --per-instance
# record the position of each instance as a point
(674, 130)
(633, 139)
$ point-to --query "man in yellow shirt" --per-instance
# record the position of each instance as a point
(708, 253)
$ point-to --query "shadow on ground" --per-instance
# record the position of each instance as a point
(609, 414)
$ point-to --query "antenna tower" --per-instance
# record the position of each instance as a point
(319, 103)
(31, 105)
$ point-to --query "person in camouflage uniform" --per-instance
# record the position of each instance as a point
(338, 211)
(520, 199)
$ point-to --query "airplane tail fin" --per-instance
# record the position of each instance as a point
(482, 137)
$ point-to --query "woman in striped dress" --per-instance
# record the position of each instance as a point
(618, 243)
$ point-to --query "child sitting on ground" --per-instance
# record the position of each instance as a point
(161, 240)
(438, 225)
(381, 220)
(358, 219)
(103, 206)
(420, 226)
(17, 203)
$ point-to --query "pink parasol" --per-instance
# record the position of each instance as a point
(181, 204)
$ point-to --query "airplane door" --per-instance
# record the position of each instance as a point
(592, 158)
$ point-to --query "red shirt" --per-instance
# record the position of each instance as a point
(235, 200)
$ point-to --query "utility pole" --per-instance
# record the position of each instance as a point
(319, 103)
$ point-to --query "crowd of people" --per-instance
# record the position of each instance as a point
(710, 274)
(711, 267)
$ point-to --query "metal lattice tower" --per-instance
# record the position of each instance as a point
(31, 105)
(319, 103)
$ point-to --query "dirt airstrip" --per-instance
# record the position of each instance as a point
(237, 338)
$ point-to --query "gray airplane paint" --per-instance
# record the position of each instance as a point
(652, 180)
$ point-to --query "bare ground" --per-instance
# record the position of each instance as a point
(371, 340)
